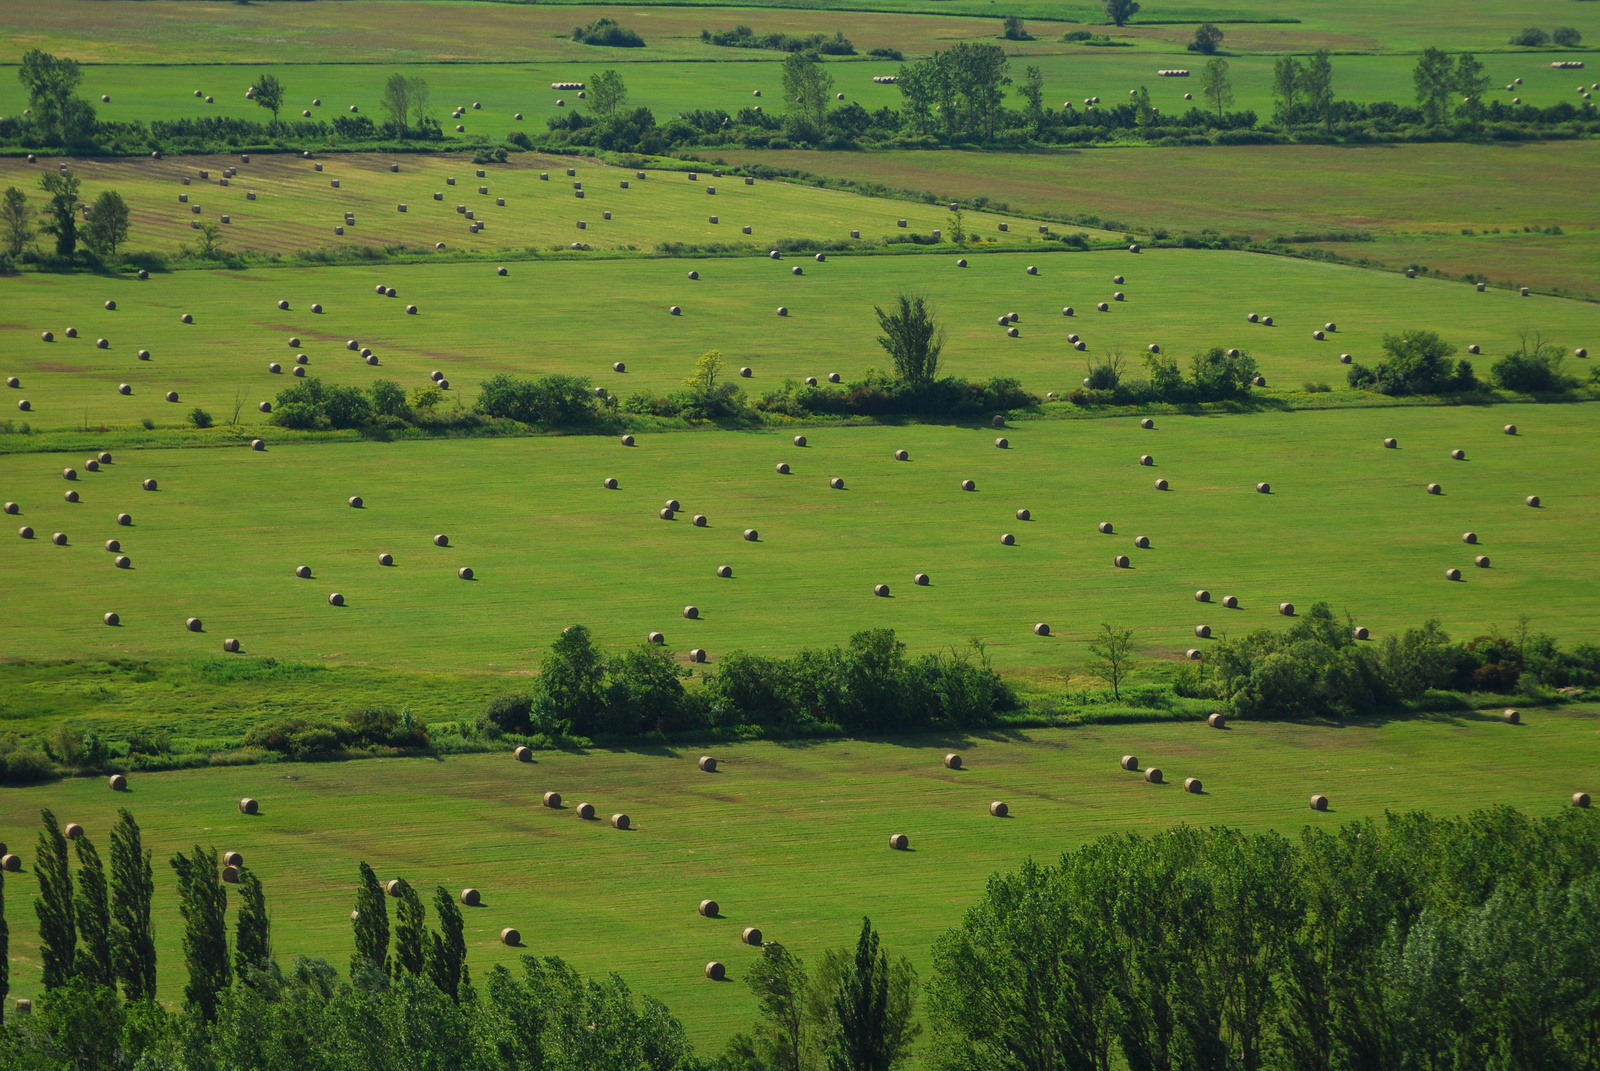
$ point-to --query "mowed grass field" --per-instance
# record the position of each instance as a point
(1346, 521)
(581, 317)
(790, 839)
(1418, 198)
(297, 207)
(381, 31)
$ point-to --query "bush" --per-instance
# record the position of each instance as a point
(309, 404)
(1077, 36)
(26, 766)
(1207, 39)
(554, 401)
(1566, 37)
(1532, 37)
(1419, 363)
(745, 37)
(604, 31)
(1012, 29)
(1214, 376)
(1536, 367)
(199, 417)
(887, 53)
(507, 714)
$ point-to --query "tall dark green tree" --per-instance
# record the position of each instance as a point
(1434, 78)
(133, 942)
(92, 909)
(107, 227)
(410, 933)
(203, 903)
(447, 949)
(911, 338)
(269, 95)
(16, 230)
(371, 922)
(1288, 87)
(1318, 87)
(58, 930)
(779, 983)
(869, 1028)
(1120, 11)
(59, 115)
(571, 683)
(252, 941)
(62, 210)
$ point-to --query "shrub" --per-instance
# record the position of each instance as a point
(1536, 367)
(644, 693)
(1077, 36)
(309, 404)
(1106, 375)
(1012, 29)
(1207, 39)
(199, 417)
(1566, 37)
(551, 401)
(604, 31)
(1532, 37)
(26, 766)
(887, 53)
(1419, 363)
(507, 713)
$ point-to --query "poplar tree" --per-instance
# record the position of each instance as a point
(371, 923)
(252, 943)
(410, 933)
(447, 949)
(203, 903)
(92, 909)
(58, 931)
(133, 943)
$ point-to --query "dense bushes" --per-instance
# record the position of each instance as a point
(1536, 367)
(1419, 362)
(604, 31)
(301, 738)
(1215, 375)
(881, 394)
(550, 402)
(869, 686)
(744, 37)
(1407, 942)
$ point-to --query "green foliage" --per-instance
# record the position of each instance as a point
(269, 95)
(16, 229)
(203, 904)
(133, 948)
(1537, 366)
(571, 687)
(1532, 37)
(371, 924)
(1120, 11)
(405, 101)
(1207, 39)
(199, 417)
(1216, 85)
(92, 914)
(252, 943)
(911, 338)
(211, 242)
(107, 226)
(607, 93)
(1566, 37)
(957, 92)
(303, 738)
(744, 37)
(807, 88)
(707, 399)
(606, 31)
(870, 1026)
(1419, 362)
(410, 934)
(1012, 29)
(310, 404)
(1114, 649)
(554, 401)
(62, 210)
(5, 949)
(447, 949)
(58, 929)
(59, 117)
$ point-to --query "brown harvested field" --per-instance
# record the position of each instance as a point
(1411, 197)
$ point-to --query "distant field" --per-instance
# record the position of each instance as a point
(581, 317)
(121, 31)
(1413, 192)
(1347, 521)
(297, 208)
(791, 839)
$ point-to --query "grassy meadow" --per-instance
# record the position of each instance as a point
(1347, 521)
(581, 317)
(787, 838)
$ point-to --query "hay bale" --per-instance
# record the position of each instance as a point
(232, 859)
(968, 485)
(620, 821)
(627, 440)
(1103, 307)
(13, 863)
(899, 841)
(392, 887)
(123, 562)
(1231, 602)
(709, 909)
(784, 311)
(751, 936)
(113, 619)
(552, 800)
(881, 590)
(1318, 335)
(1202, 595)
(1203, 631)
(335, 599)
(1458, 455)
(952, 761)
(1041, 629)
(230, 645)
(73, 831)
(655, 637)
(1391, 444)
(783, 468)
(1532, 500)
(611, 483)
(1286, 609)
(1106, 528)
(1435, 489)
(193, 624)
(1008, 539)
(1511, 717)
(1319, 802)
(1580, 353)
(1121, 561)
(921, 580)
(12, 508)
(117, 783)
(249, 806)
(672, 504)
(1264, 488)
(998, 809)
(1579, 799)
(1452, 574)
(1469, 537)
(1481, 561)
(303, 572)
(275, 368)
(1360, 632)
(25, 532)
(692, 613)
(751, 535)
(1153, 775)
(386, 559)
(441, 540)
(1067, 310)
(699, 520)
(1217, 721)
(714, 970)
(1192, 784)
(470, 897)
(1161, 485)
(725, 571)
(1142, 542)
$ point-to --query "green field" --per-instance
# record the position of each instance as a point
(582, 317)
(791, 839)
(1347, 521)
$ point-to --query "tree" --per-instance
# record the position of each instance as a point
(252, 943)
(1317, 84)
(50, 82)
(1120, 11)
(607, 94)
(371, 922)
(108, 224)
(1435, 81)
(211, 242)
(1115, 651)
(133, 945)
(92, 914)
(203, 903)
(1566, 37)
(1288, 83)
(912, 339)
(410, 933)
(447, 949)
(1471, 79)
(15, 230)
(58, 929)
(1419, 362)
(5, 951)
(1216, 85)
(702, 382)
(269, 95)
(1207, 39)
(571, 681)
(1012, 29)
(807, 87)
(1032, 91)
(62, 210)
(869, 1025)
(779, 983)
(396, 101)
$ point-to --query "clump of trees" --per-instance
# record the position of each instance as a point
(1537, 366)
(1418, 362)
(1534, 37)
(1207, 39)
(407, 102)
(1406, 941)
(553, 401)
(609, 32)
(1215, 375)
(744, 37)
(375, 729)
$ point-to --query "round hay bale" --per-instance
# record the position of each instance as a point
(1041, 629)
(386, 559)
(1458, 455)
(523, 754)
(1106, 528)
(1473, 349)
(1147, 424)
(751, 535)
(275, 368)
(69, 474)
(101, 344)
(1253, 318)
(899, 841)
(1203, 631)
(1481, 561)
(1264, 488)
(1008, 539)
(123, 562)
(1120, 561)
(232, 859)
(1523, 291)
(881, 590)
(1511, 717)
(745, 372)
(725, 571)
(470, 897)
(465, 572)
(1435, 489)
(117, 783)
(113, 619)
(1067, 310)
(783, 310)
(1319, 802)
(25, 532)
(193, 624)
(335, 599)
(303, 572)
(709, 909)
(1202, 595)
(1345, 358)
(1192, 784)
(1580, 353)
(1032, 270)
(952, 761)
(1103, 307)
(172, 395)
(1260, 381)
(299, 371)
(714, 970)
(1532, 500)
(968, 485)
(1452, 574)
(13, 863)
(510, 936)
(1318, 335)
(920, 580)
(691, 613)
(1469, 537)
(751, 936)
(1142, 542)
(699, 520)
(71, 496)
(1217, 721)
(249, 806)
(230, 874)
(1146, 460)
(111, 306)
(837, 483)
(1024, 515)
(656, 637)
(230, 645)
(12, 508)
(441, 540)
(1391, 444)
(620, 821)
(1153, 775)
(961, 263)
(552, 800)
(672, 504)
(73, 831)
(1161, 485)
(1286, 609)
(1360, 632)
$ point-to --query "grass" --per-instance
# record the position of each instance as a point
(1348, 522)
(1407, 193)
(297, 208)
(586, 315)
(791, 839)
(374, 31)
